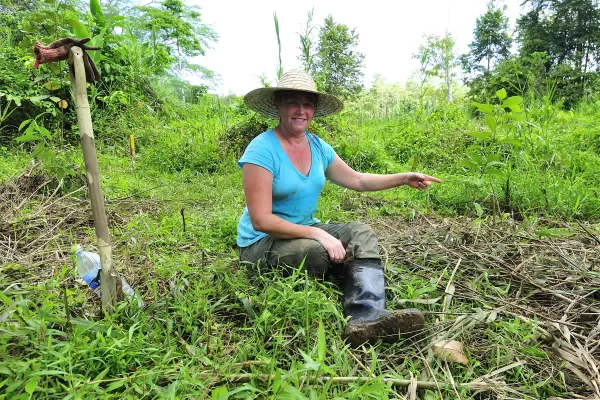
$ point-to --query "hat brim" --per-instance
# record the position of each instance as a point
(262, 100)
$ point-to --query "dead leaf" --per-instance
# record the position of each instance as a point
(451, 351)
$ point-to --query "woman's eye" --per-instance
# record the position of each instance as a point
(296, 103)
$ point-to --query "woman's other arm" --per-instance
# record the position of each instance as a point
(341, 174)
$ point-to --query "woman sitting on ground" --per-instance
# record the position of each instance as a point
(284, 171)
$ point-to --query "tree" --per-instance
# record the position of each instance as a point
(117, 7)
(437, 59)
(178, 27)
(383, 99)
(568, 31)
(491, 39)
(337, 65)
(425, 71)
(445, 62)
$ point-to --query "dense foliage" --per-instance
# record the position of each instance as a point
(179, 127)
(558, 52)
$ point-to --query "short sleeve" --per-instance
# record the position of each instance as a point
(327, 151)
(258, 152)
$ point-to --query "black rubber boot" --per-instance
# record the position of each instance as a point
(364, 302)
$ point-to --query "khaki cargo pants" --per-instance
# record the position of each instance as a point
(358, 239)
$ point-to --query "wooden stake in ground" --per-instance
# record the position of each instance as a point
(132, 149)
(84, 118)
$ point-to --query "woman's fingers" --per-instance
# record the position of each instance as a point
(422, 181)
(428, 179)
(335, 249)
(342, 252)
(338, 252)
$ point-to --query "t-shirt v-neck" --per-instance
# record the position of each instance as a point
(290, 160)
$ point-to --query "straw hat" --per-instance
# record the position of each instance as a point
(262, 100)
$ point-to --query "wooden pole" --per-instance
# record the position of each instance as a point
(86, 132)
(132, 149)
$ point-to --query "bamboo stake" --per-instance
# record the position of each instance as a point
(107, 277)
(132, 149)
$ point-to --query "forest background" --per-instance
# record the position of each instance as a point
(511, 127)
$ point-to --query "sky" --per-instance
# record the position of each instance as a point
(390, 32)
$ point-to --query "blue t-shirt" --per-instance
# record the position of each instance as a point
(295, 196)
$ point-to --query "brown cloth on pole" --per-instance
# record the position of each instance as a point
(59, 51)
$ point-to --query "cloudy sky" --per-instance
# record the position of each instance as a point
(389, 33)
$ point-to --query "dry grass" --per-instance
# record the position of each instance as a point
(508, 271)
(38, 226)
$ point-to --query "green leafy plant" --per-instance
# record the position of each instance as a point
(307, 44)
(492, 154)
(279, 64)
(52, 161)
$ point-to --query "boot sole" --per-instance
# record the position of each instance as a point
(389, 329)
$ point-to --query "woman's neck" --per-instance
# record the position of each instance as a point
(289, 137)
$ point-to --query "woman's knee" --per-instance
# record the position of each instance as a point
(361, 228)
(306, 253)
(364, 242)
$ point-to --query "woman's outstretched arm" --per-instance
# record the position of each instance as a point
(341, 174)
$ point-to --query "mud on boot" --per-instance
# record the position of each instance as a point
(364, 302)
(388, 327)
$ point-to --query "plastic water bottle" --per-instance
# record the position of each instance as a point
(88, 268)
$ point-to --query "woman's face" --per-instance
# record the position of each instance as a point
(296, 111)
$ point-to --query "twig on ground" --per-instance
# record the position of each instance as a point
(188, 349)
(499, 371)
(450, 289)
(588, 232)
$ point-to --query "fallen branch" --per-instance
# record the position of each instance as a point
(242, 378)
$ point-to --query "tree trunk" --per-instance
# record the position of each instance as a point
(86, 132)
(449, 85)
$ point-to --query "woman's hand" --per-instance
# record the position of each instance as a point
(334, 248)
(419, 181)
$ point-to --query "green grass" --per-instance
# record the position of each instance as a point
(210, 321)
(11, 163)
